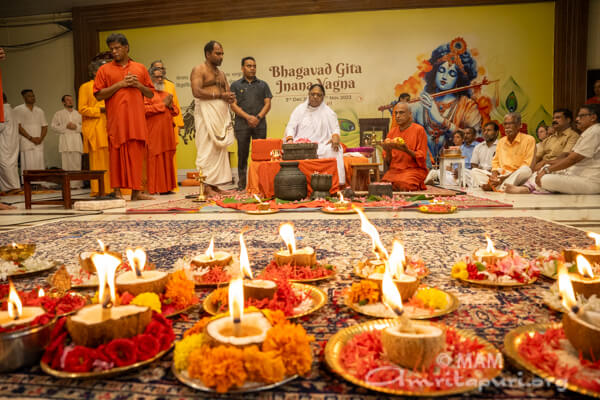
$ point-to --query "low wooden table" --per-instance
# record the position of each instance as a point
(61, 177)
(361, 175)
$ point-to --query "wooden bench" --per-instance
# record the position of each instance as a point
(61, 177)
(361, 175)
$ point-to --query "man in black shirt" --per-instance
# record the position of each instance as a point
(253, 102)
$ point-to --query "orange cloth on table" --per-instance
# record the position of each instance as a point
(406, 173)
(160, 143)
(261, 148)
(348, 161)
(95, 137)
(261, 174)
(178, 123)
(126, 123)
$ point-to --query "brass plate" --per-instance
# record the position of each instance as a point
(497, 284)
(363, 276)
(510, 349)
(318, 296)
(425, 210)
(104, 374)
(248, 387)
(28, 273)
(263, 212)
(336, 343)
(332, 210)
(453, 304)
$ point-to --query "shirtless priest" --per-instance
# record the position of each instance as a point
(407, 158)
(214, 128)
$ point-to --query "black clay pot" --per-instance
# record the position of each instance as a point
(321, 182)
(290, 182)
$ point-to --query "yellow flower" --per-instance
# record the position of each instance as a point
(365, 291)
(459, 270)
(150, 300)
(183, 348)
(433, 298)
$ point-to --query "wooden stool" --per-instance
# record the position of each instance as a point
(359, 181)
(62, 177)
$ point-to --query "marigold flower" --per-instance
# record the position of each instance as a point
(198, 327)
(263, 366)
(184, 348)
(365, 291)
(292, 343)
(150, 300)
(221, 367)
(180, 290)
(432, 297)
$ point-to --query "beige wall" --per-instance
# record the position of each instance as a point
(593, 58)
(45, 68)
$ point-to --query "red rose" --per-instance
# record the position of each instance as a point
(147, 346)
(161, 329)
(79, 359)
(126, 298)
(121, 352)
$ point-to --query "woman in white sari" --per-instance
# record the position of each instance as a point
(315, 121)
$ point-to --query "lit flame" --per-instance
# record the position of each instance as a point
(14, 302)
(596, 238)
(244, 260)
(397, 260)
(137, 260)
(286, 231)
(102, 247)
(389, 292)
(210, 252)
(370, 230)
(257, 198)
(565, 287)
(236, 300)
(14, 245)
(341, 197)
(106, 266)
(490, 245)
(41, 292)
(583, 266)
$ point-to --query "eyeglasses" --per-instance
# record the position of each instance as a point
(583, 115)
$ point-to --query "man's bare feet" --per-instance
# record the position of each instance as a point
(6, 207)
(210, 190)
(487, 187)
(117, 194)
(512, 189)
(138, 195)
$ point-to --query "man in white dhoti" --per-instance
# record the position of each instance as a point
(214, 129)
(315, 121)
(33, 129)
(67, 122)
(9, 151)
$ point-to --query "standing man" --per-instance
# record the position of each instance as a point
(67, 122)
(160, 110)
(93, 129)
(561, 141)
(214, 130)
(251, 105)
(33, 129)
(123, 83)
(9, 151)
(169, 87)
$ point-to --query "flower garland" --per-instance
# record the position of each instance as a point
(511, 268)
(63, 355)
(286, 351)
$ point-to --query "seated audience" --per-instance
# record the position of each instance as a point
(484, 152)
(560, 141)
(315, 121)
(514, 155)
(595, 99)
(577, 172)
(407, 165)
(451, 170)
(468, 145)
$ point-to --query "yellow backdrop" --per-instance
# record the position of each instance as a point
(363, 58)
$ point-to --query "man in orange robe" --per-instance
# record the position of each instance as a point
(160, 110)
(123, 83)
(407, 161)
(93, 129)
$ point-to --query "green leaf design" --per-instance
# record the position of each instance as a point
(511, 102)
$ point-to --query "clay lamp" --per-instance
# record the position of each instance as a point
(592, 254)
(212, 258)
(341, 204)
(585, 283)
(490, 255)
(407, 285)
(100, 323)
(17, 252)
(85, 258)
(137, 281)
(291, 255)
(16, 314)
(581, 326)
(238, 329)
(262, 205)
(412, 345)
(254, 288)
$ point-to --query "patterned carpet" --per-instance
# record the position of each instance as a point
(490, 313)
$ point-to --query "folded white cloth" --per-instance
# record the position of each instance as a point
(94, 205)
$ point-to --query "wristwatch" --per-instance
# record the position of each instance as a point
(546, 169)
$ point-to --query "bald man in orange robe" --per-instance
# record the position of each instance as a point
(123, 84)
(161, 144)
(407, 161)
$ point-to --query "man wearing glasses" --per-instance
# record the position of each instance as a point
(514, 154)
(576, 172)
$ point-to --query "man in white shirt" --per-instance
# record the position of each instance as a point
(67, 122)
(484, 152)
(9, 151)
(33, 129)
